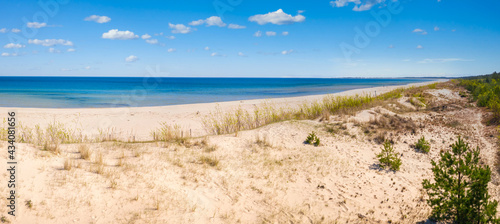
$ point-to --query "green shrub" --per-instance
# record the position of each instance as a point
(423, 145)
(388, 158)
(459, 193)
(312, 139)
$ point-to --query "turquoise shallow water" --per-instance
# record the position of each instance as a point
(98, 92)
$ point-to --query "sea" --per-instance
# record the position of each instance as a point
(108, 92)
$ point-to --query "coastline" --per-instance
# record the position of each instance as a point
(139, 122)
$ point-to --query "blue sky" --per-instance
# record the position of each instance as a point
(243, 38)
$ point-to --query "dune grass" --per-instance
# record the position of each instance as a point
(219, 122)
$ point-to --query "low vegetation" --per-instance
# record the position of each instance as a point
(423, 145)
(388, 157)
(312, 139)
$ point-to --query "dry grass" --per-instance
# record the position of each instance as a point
(84, 151)
(68, 164)
(209, 160)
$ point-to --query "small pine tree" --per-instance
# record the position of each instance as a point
(388, 157)
(459, 193)
(312, 139)
(423, 145)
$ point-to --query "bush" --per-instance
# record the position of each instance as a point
(388, 158)
(423, 145)
(459, 193)
(312, 139)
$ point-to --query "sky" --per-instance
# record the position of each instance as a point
(243, 38)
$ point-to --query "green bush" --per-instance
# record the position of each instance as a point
(388, 158)
(423, 145)
(312, 139)
(459, 193)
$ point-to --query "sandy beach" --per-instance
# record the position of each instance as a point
(264, 175)
(138, 122)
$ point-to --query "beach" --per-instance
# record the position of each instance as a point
(127, 123)
(264, 175)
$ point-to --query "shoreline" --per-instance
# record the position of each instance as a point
(139, 122)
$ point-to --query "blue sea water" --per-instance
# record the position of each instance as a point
(101, 92)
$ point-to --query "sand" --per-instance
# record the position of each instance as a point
(266, 175)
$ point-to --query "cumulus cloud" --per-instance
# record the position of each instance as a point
(207, 48)
(359, 5)
(257, 34)
(36, 25)
(15, 30)
(152, 41)
(4, 30)
(287, 52)
(13, 45)
(443, 60)
(210, 21)
(146, 36)
(236, 26)
(215, 54)
(180, 28)
(115, 34)
(391, 46)
(241, 54)
(170, 50)
(131, 58)
(279, 18)
(436, 28)
(71, 50)
(270, 33)
(419, 47)
(50, 42)
(285, 33)
(87, 67)
(98, 19)
(170, 37)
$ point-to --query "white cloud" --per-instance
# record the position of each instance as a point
(152, 41)
(170, 50)
(421, 31)
(159, 34)
(285, 33)
(241, 54)
(443, 60)
(236, 26)
(146, 36)
(66, 69)
(4, 30)
(207, 48)
(36, 25)
(215, 54)
(53, 50)
(50, 42)
(419, 47)
(436, 28)
(131, 58)
(359, 5)
(279, 18)
(15, 30)
(170, 37)
(71, 50)
(4, 54)
(197, 22)
(115, 34)
(87, 67)
(391, 46)
(257, 34)
(453, 30)
(287, 52)
(180, 28)
(98, 19)
(13, 45)
(270, 33)
(210, 21)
